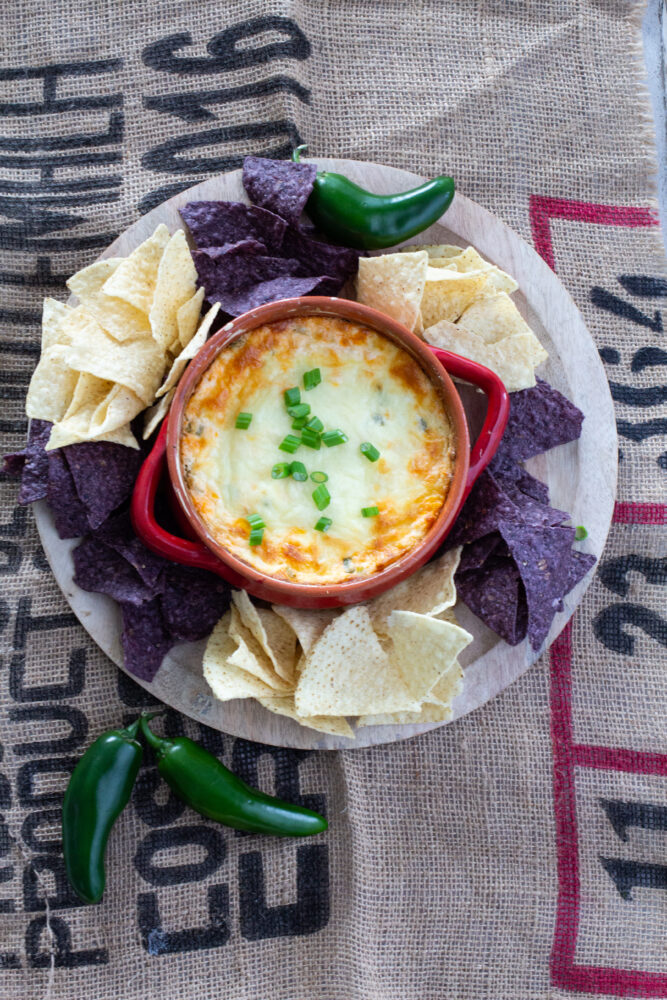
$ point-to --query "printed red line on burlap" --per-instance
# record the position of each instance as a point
(640, 513)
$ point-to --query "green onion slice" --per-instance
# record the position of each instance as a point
(315, 424)
(300, 410)
(280, 470)
(256, 521)
(331, 438)
(292, 396)
(290, 444)
(322, 497)
(323, 524)
(312, 378)
(319, 477)
(370, 451)
(256, 536)
(580, 533)
(299, 423)
(243, 421)
(311, 439)
(370, 511)
(298, 472)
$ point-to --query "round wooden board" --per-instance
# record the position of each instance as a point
(581, 476)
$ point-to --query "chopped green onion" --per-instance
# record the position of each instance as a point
(322, 497)
(256, 536)
(331, 438)
(300, 410)
(256, 521)
(580, 533)
(370, 451)
(299, 423)
(280, 470)
(311, 439)
(315, 424)
(290, 443)
(312, 378)
(319, 477)
(243, 421)
(323, 524)
(298, 472)
(370, 511)
(292, 396)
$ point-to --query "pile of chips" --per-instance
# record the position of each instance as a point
(518, 562)
(103, 361)
(393, 660)
(248, 255)
(456, 300)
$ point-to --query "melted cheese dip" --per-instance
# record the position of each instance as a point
(373, 391)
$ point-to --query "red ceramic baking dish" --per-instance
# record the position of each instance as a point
(162, 469)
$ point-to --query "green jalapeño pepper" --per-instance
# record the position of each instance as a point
(200, 780)
(353, 217)
(97, 793)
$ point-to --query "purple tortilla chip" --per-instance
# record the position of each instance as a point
(118, 533)
(543, 557)
(104, 475)
(146, 640)
(228, 271)
(475, 555)
(101, 570)
(320, 258)
(486, 507)
(495, 593)
(579, 566)
(214, 223)
(235, 303)
(540, 418)
(32, 464)
(507, 470)
(279, 185)
(192, 601)
(68, 511)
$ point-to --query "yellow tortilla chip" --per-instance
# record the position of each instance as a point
(250, 656)
(117, 317)
(272, 633)
(428, 592)
(469, 260)
(154, 416)
(175, 287)
(511, 359)
(135, 278)
(226, 680)
(394, 284)
(308, 626)
(495, 318)
(348, 673)
(447, 687)
(119, 408)
(448, 293)
(187, 317)
(427, 713)
(434, 250)
(137, 364)
(52, 385)
(189, 351)
(334, 725)
(53, 313)
(424, 649)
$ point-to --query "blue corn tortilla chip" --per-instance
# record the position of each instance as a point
(320, 258)
(281, 186)
(495, 594)
(32, 463)
(192, 601)
(214, 223)
(540, 419)
(104, 474)
(285, 287)
(579, 566)
(117, 532)
(101, 570)
(486, 507)
(69, 513)
(227, 270)
(475, 555)
(145, 638)
(505, 470)
(542, 557)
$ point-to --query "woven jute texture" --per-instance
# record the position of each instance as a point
(517, 854)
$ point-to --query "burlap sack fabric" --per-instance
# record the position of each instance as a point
(519, 853)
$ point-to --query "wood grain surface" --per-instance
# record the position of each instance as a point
(581, 475)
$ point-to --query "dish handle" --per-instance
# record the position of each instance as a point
(142, 512)
(497, 409)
